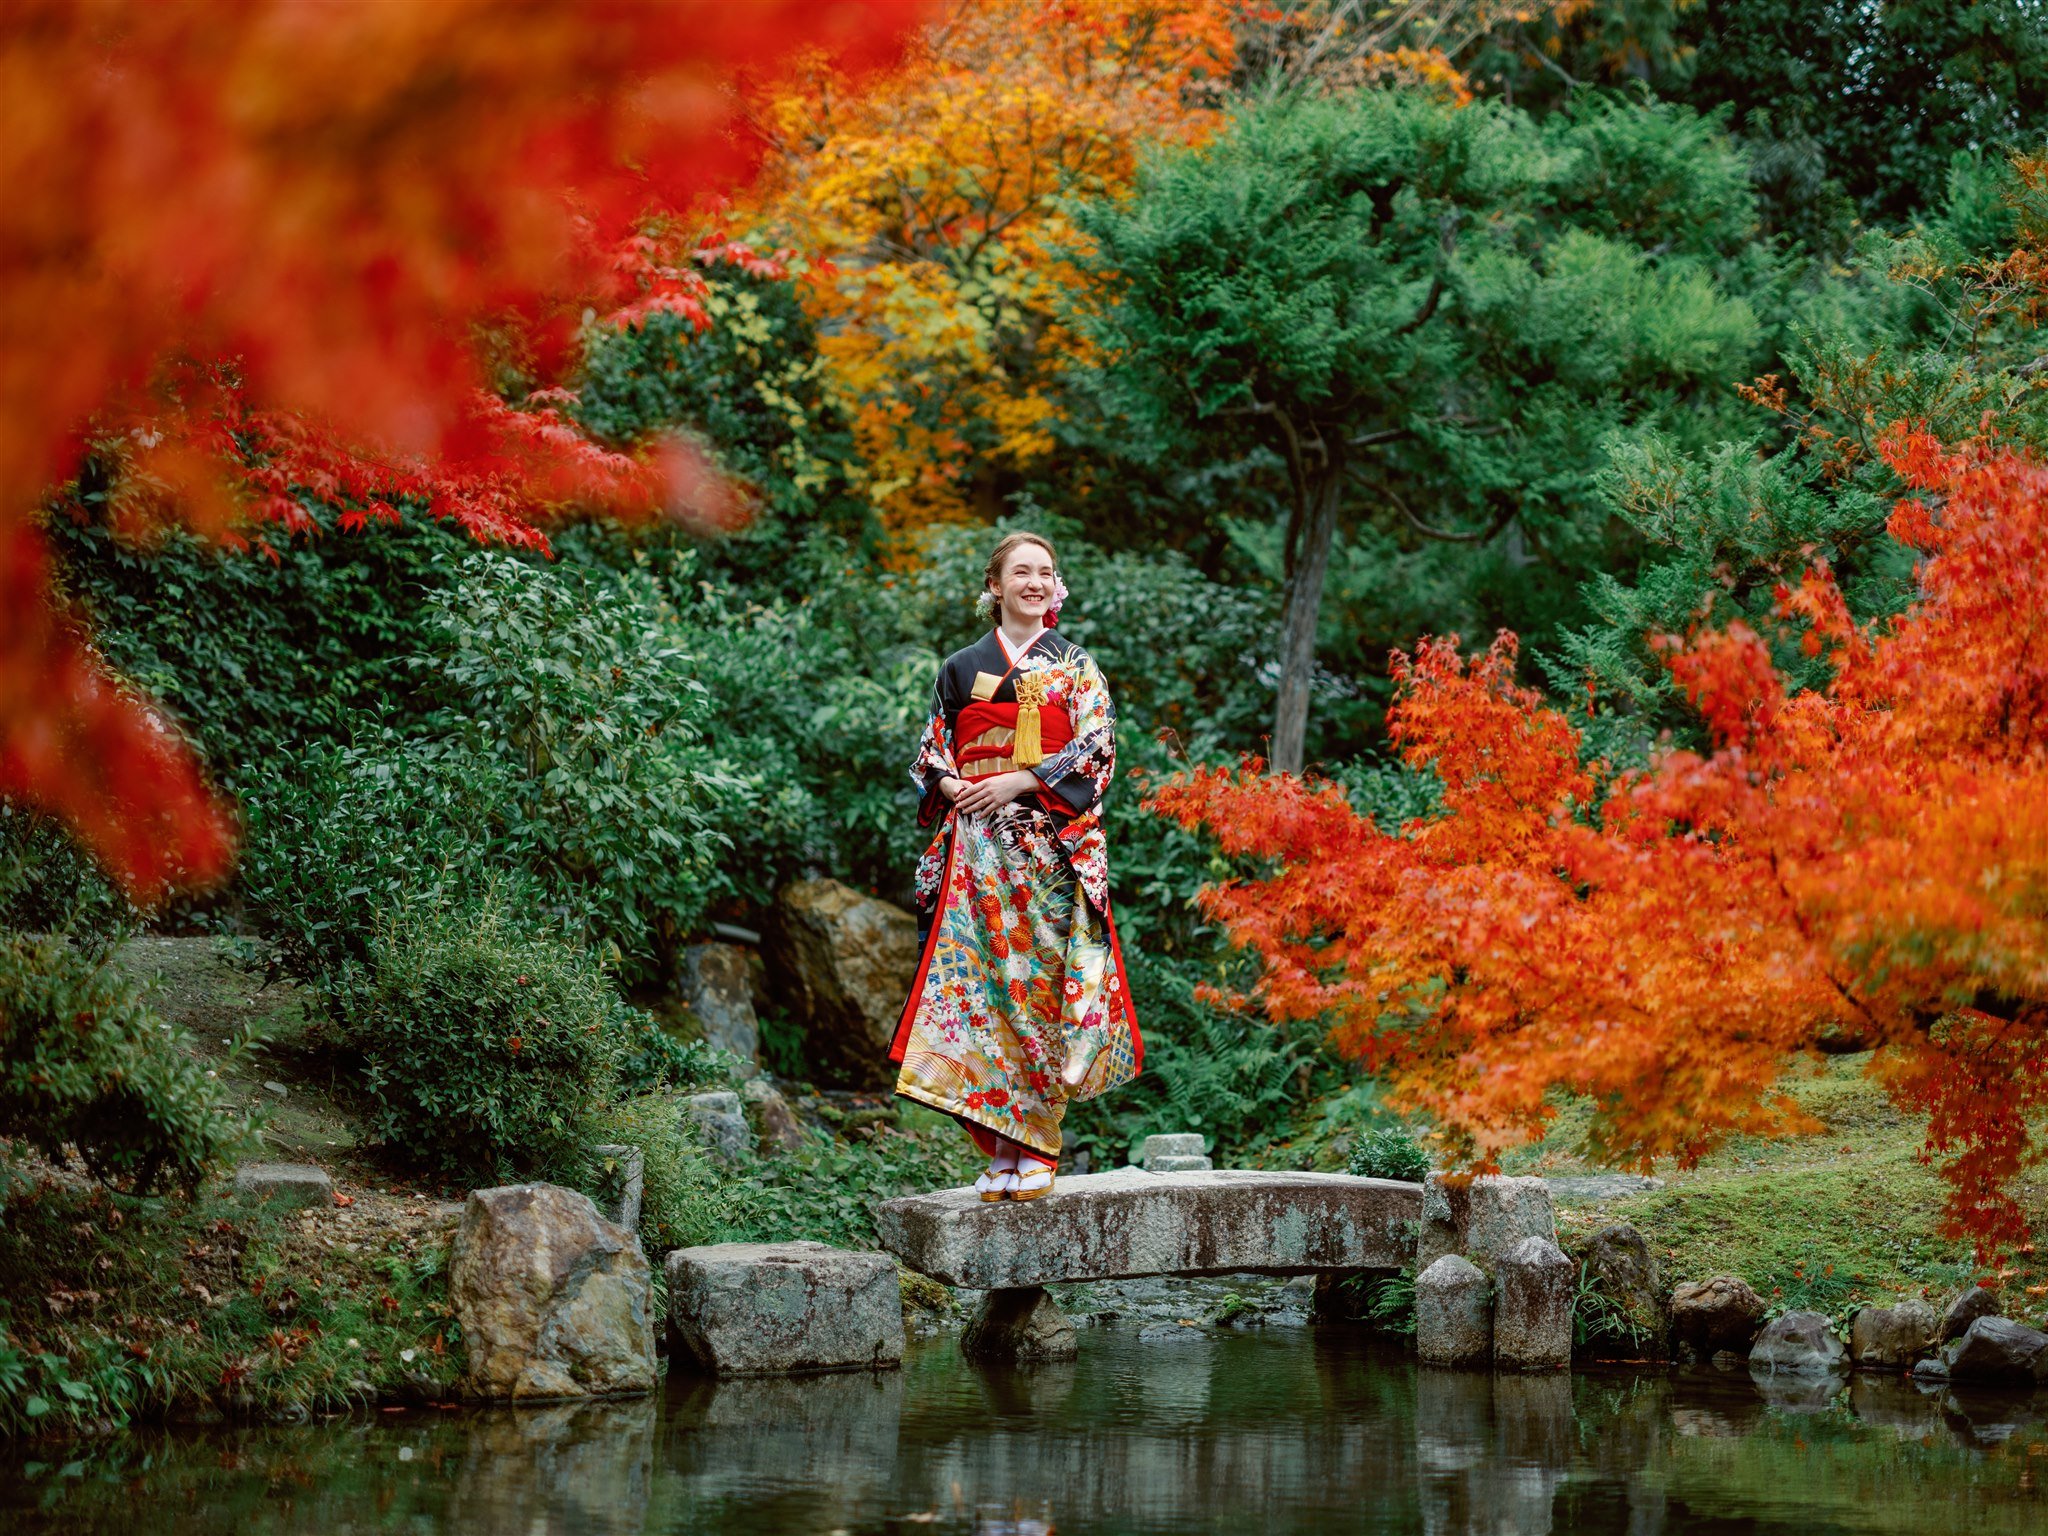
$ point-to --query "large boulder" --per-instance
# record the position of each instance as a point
(1619, 1265)
(1712, 1315)
(841, 963)
(553, 1299)
(1798, 1344)
(1976, 1302)
(1993, 1352)
(774, 1309)
(1532, 1317)
(1114, 1226)
(713, 979)
(1892, 1338)
(1453, 1313)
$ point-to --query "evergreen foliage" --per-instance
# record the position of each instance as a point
(1434, 318)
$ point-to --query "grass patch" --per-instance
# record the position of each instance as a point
(1825, 1222)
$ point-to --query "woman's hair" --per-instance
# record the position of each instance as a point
(1004, 546)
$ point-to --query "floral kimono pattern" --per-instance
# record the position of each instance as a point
(1021, 972)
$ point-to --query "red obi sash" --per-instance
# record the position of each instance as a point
(979, 758)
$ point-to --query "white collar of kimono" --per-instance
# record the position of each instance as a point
(1015, 651)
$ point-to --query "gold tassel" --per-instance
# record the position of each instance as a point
(1029, 751)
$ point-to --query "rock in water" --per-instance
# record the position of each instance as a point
(1993, 1352)
(1532, 1317)
(1453, 1313)
(1797, 1344)
(1892, 1338)
(287, 1184)
(1974, 1303)
(1621, 1267)
(772, 1309)
(552, 1298)
(1021, 1325)
(1717, 1314)
(713, 980)
(723, 1124)
(842, 964)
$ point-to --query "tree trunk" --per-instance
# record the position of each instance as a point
(1298, 621)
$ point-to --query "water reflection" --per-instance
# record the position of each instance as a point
(1277, 1431)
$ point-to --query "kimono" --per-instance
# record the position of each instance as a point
(1020, 971)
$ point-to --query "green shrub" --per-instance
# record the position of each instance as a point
(383, 823)
(484, 1044)
(1389, 1152)
(573, 697)
(688, 1197)
(84, 1060)
(49, 884)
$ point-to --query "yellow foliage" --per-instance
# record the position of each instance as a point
(928, 201)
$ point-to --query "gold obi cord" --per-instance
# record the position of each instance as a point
(1029, 752)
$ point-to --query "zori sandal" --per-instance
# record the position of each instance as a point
(990, 1186)
(1033, 1183)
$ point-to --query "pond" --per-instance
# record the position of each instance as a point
(1192, 1430)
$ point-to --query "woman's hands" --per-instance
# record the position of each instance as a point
(994, 792)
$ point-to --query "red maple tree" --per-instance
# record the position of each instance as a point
(1869, 857)
(334, 197)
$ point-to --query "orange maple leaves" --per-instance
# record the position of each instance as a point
(1871, 857)
(334, 196)
(929, 205)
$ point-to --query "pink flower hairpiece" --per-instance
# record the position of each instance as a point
(1059, 601)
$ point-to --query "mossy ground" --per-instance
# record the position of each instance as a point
(208, 1306)
(1830, 1220)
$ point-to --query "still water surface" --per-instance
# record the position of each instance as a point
(1290, 1430)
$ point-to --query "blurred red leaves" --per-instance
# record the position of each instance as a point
(333, 196)
(1869, 858)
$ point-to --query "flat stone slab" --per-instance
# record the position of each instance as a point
(768, 1309)
(1126, 1224)
(287, 1184)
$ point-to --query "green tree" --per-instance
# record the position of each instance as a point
(1433, 316)
(1939, 327)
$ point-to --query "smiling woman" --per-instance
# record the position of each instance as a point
(1020, 1005)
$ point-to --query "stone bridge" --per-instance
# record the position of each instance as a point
(1122, 1225)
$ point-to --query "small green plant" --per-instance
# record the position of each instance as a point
(1233, 1307)
(1813, 1284)
(1599, 1323)
(1390, 1303)
(1389, 1152)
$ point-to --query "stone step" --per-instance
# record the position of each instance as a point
(1121, 1225)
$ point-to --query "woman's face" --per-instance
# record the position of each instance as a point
(1025, 582)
